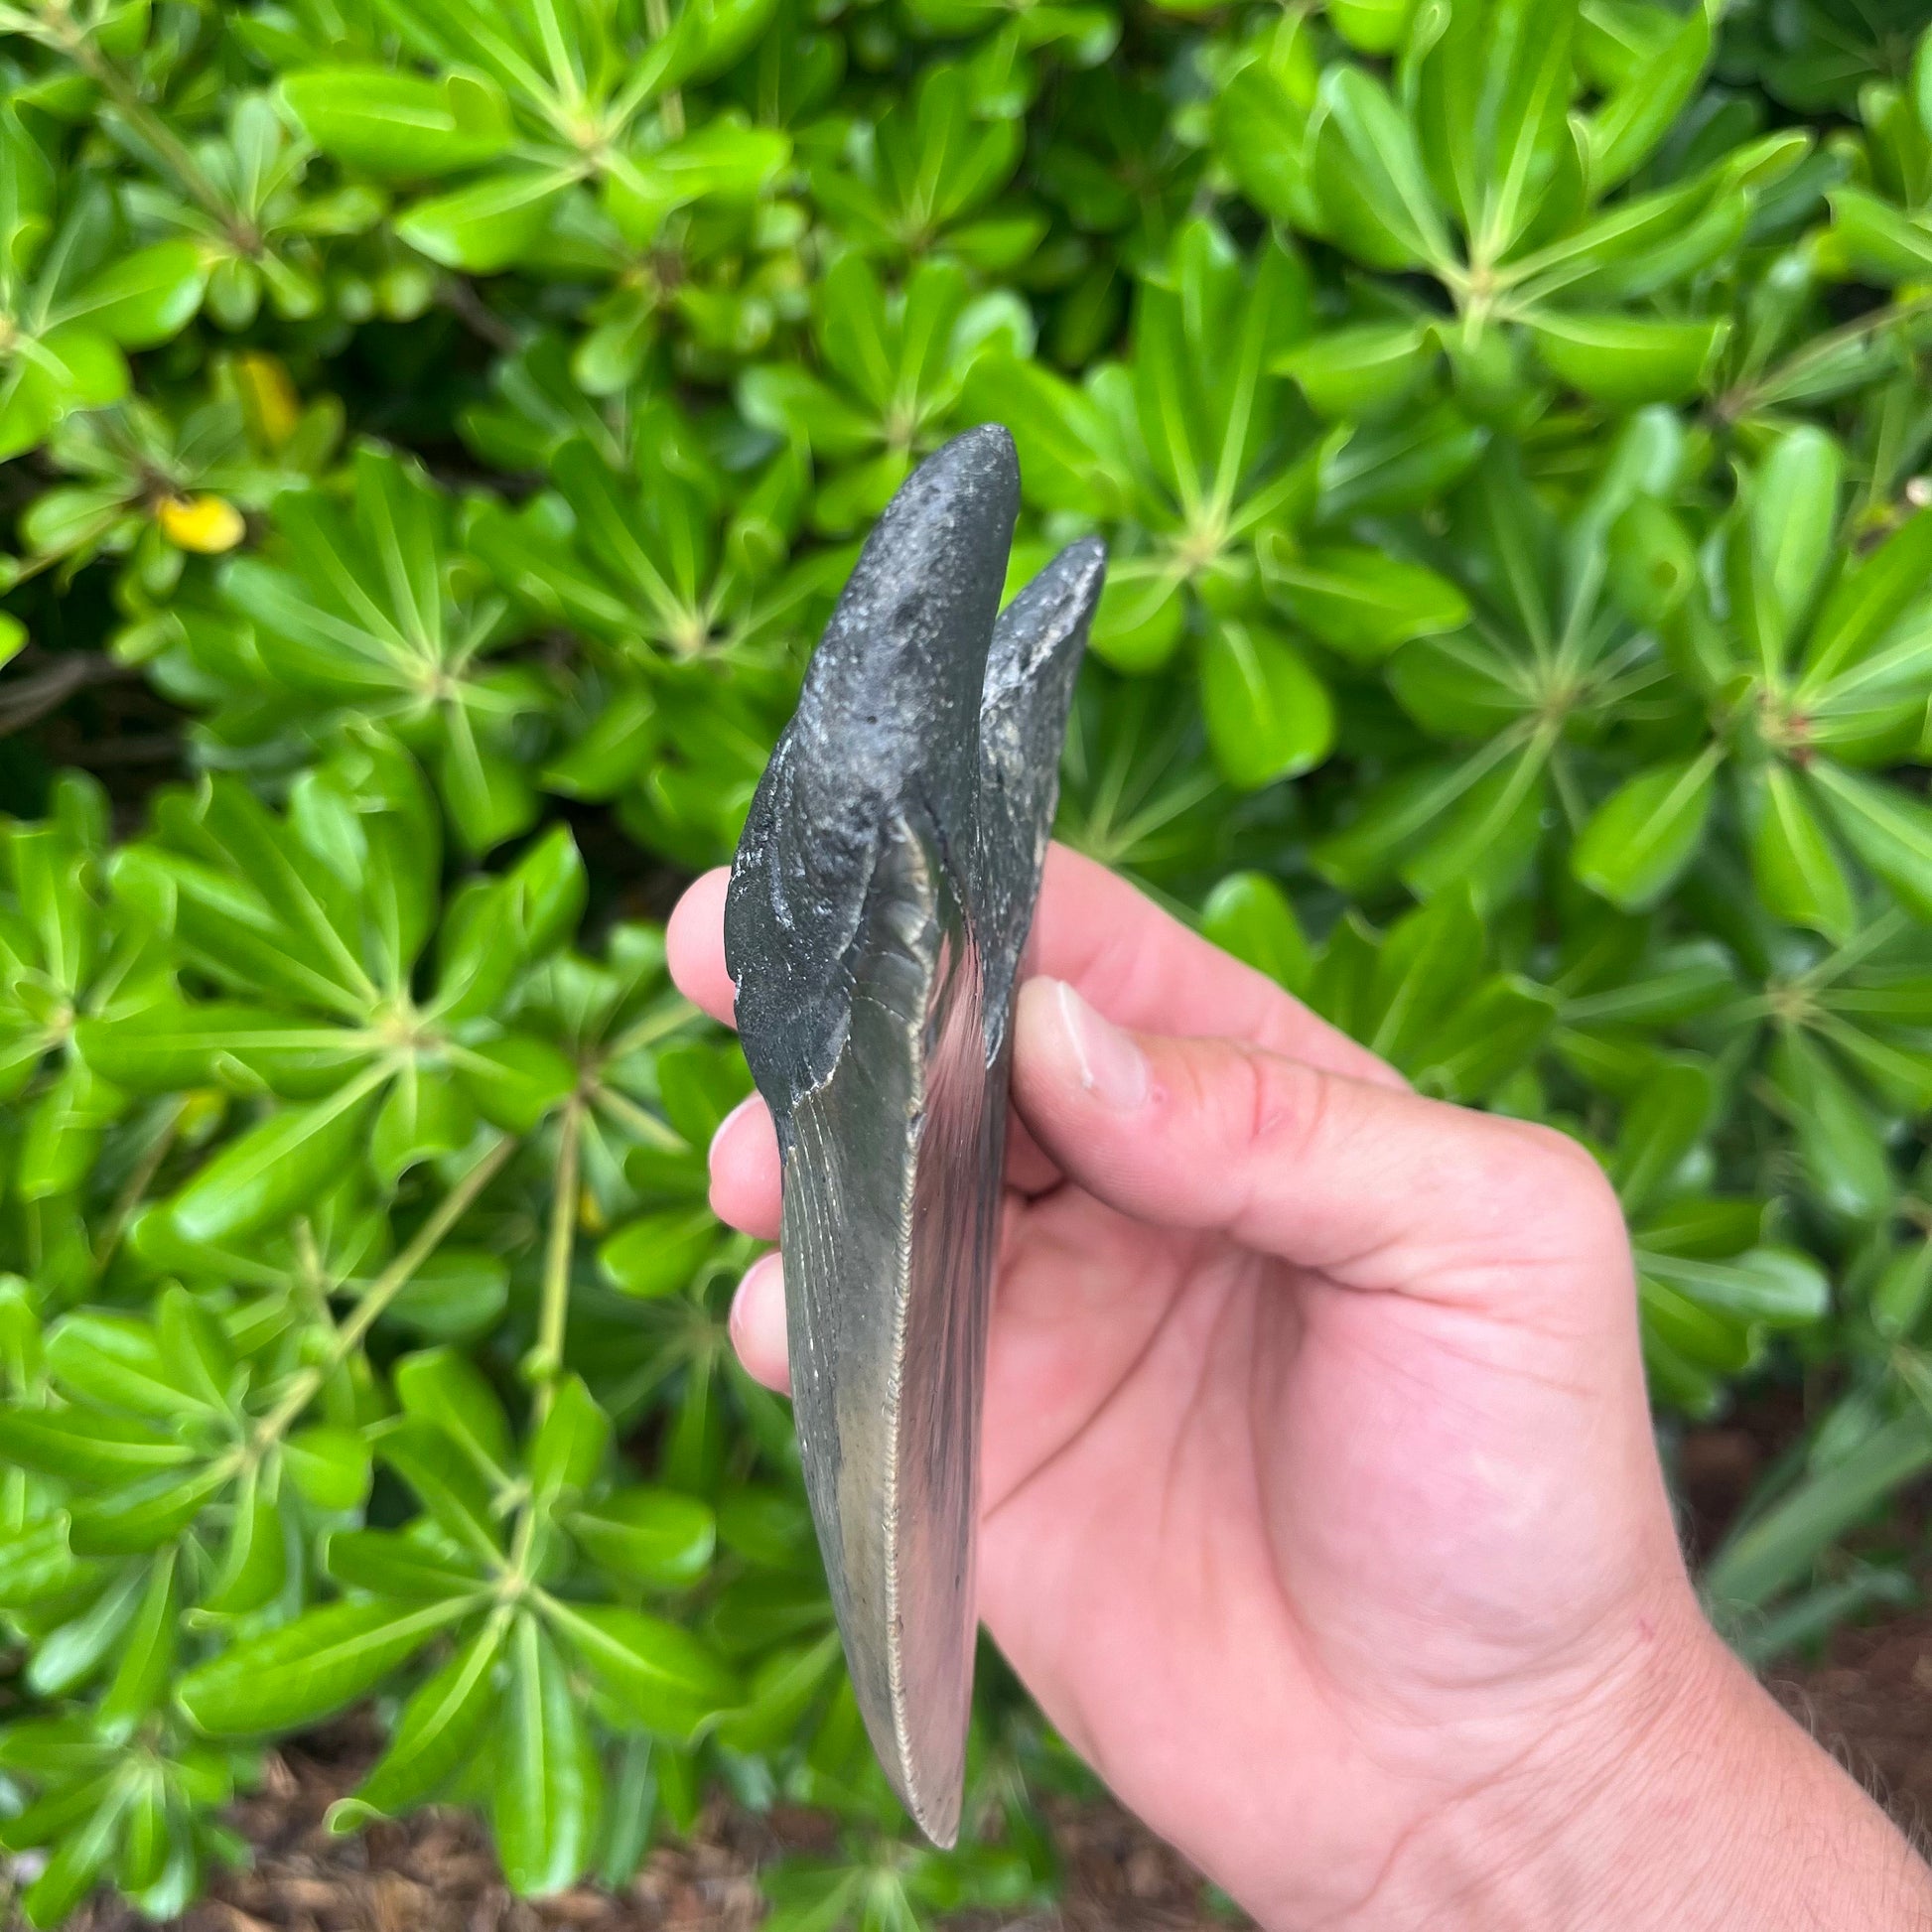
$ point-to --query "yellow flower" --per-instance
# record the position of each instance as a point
(207, 525)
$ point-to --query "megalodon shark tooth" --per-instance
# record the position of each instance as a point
(878, 906)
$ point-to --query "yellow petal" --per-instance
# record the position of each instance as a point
(207, 524)
(268, 396)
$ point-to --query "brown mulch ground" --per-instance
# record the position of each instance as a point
(1870, 1700)
(435, 1872)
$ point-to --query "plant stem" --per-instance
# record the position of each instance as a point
(662, 1019)
(129, 1198)
(547, 1361)
(73, 40)
(384, 1289)
(670, 108)
(647, 1126)
(1740, 400)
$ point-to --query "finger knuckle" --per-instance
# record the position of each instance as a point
(1287, 1104)
(1565, 1178)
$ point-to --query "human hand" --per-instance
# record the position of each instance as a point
(1321, 1509)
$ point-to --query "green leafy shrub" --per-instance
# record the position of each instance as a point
(1508, 419)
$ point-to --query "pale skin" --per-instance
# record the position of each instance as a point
(1321, 1512)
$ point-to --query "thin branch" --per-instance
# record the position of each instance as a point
(384, 1289)
(26, 699)
(547, 1359)
(475, 315)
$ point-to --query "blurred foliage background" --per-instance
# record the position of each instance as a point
(432, 432)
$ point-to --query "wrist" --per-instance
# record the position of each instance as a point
(1672, 1795)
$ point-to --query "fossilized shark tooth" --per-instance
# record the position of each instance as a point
(878, 905)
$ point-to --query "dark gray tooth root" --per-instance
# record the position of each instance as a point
(878, 905)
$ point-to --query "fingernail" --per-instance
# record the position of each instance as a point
(725, 1126)
(1112, 1068)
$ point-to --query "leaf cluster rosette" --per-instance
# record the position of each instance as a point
(432, 434)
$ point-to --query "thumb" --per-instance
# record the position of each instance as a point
(1377, 1189)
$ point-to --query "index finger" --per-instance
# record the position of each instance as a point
(1133, 961)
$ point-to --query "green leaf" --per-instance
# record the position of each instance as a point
(570, 1444)
(1790, 536)
(657, 1254)
(488, 226)
(1059, 432)
(277, 1166)
(1488, 839)
(1491, 96)
(77, 1863)
(1777, 1547)
(1888, 828)
(1863, 604)
(454, 1294)
(1664, 1120)
(1260, 130)
(329, 1466)
(116, 1360)
(1430, 958)
(1140, 619)
(493, 931)
(82, 1445)
(1839, 1143)
(1485, 1039)
(1358, 600)
(1902, 1292)
(70, 1654)
(1880, 243)
(1269, 716)
(651, 1536)
(721, 161)
(399, 125)
(1249, 916)
(1632, 122)
(1369, 179)
(1653, 565)
(296, 1675)
(145, 297)
(1460, 686)
(445, 1482)
(145, 1514)
(1793, 865)
(782, 1690)
(35, 1565)
(1360, 372)
(1779, 1287)
(147, 1657)
(434, 1736)
(663, 1677)
(698, 1085)
(489, 792)
(1641, 839)
(426, 1113)
(76, 366)
(515, 1080)
(1372, 26)
(444, 1390)
(1624, 360)
(546, 1789)
(399, 1564)
(194, 1349)
(255, 1560)
(1400, 465)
